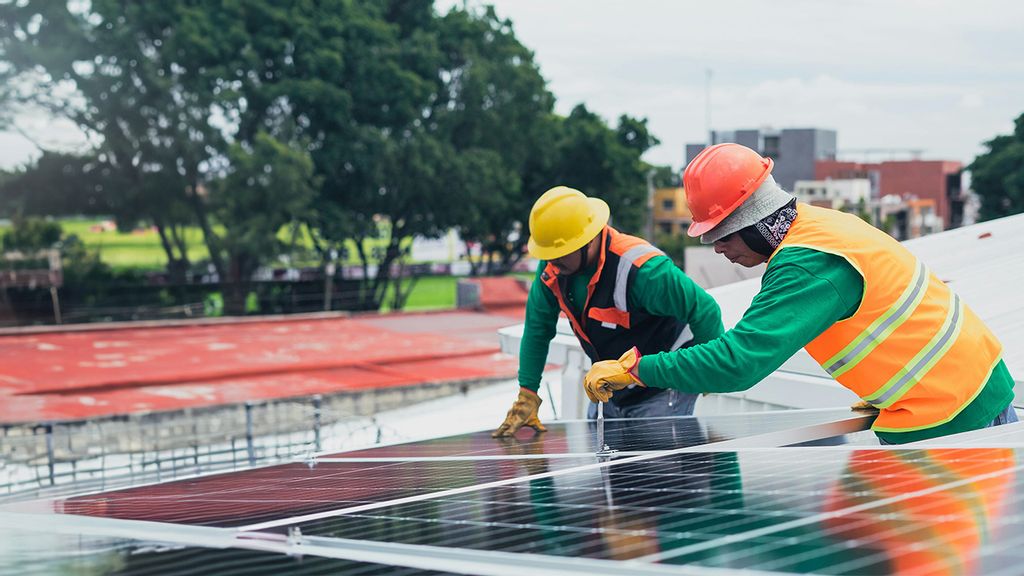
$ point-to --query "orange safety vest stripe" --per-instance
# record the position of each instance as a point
(632, 251)
(912, 348)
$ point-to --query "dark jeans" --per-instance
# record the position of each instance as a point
(1007, 416)
(668, 403)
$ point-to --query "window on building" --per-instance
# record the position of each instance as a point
(665, 227)
(668, 204)
(771, 146)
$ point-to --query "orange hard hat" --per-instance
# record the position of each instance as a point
(718, 180)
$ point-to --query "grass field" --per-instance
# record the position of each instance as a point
(429, 293)
(141, 250)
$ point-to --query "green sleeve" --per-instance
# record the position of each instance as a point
(541, 318)
(662, 289)
(803, 292)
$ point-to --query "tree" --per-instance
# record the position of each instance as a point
(59, 184)
(31, 235)
(266, 187)
(997, 176)
(493, 105)
(606, 163)
(666, 177)
(107, 67)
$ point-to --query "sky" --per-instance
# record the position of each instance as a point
(937, 75)
(934, 75)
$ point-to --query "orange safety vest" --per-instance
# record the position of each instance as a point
(606, 325)
(913, 348)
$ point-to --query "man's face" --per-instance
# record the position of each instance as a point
(736, 250)
(569, 264)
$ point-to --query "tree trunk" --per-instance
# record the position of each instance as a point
(474, 267)
(234, 286)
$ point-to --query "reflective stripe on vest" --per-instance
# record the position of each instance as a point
(911, 374)
(622, 274)
(911, 348)
(848, 357)
(626, 263)
(608, 305)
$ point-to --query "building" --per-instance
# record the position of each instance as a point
(850, 194)
(671, 213)
(905, 218)
(794, 150)
(937, 180)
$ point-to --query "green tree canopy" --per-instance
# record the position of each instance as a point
(361, 119)
(997, 176)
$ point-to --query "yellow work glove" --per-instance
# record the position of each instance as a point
(522, 413)
(607, 376)
(862, 406)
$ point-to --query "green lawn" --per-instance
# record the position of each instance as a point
(141, 249)
(430, 293)
(138, 249)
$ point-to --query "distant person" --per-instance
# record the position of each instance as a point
(619, 292)
(864, 307)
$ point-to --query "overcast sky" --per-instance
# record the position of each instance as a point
(937, 75)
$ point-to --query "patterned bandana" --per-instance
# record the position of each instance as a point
(765, 235)
(775, 226)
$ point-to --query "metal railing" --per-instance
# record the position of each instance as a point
(54, 458)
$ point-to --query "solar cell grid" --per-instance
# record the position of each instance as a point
(292, 489)
(832, 510)
(854, 512)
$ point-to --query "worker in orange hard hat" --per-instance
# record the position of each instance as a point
(871, 313)
(619, 292)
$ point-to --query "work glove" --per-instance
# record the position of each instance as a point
(607, 376)
(863, 406)
(522, 413)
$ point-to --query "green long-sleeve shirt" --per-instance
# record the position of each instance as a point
(660, 288)
(803, 292)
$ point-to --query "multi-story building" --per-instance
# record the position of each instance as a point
(853, 193)
(937, 180)
(794, 150)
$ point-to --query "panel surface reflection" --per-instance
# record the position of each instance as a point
(796, 510)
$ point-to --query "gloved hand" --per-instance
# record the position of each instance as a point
(522, 413)
(607, 376)
(862, 406)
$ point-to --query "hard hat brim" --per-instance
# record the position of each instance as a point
(599, 209)
(700, 228)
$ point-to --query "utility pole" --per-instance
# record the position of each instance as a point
(650, 206)
(707, 104)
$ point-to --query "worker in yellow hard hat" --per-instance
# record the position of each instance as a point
(619, 293)
(864, 307)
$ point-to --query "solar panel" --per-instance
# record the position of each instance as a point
(682, 495)
(270, 494)
(855, 512)
(282, 491)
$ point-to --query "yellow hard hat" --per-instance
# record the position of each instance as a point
(562, 221)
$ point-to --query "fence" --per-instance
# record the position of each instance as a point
(54, 458)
